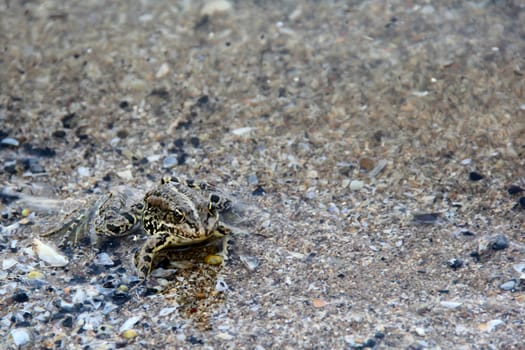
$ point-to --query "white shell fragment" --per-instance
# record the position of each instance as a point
(129, 323)
(8, 263)
(21, 336)
(49, 254)
(242, 131)
(215, 6)
(250, 262)
(450, 304)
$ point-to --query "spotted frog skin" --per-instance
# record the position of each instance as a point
(176, 213)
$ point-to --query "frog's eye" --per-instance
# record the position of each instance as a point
(177, 216)
(214, 202)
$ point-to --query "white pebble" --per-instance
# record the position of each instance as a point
(8, 263)
(21, 336)
(420, 331)
(49, 254)
(130, 322)
(164, 69)
(224, 336)
(250, 262)
(103, 259)
(167, 311)
(125, 174)
(169, 162)
(356, 185)
(10, 141)
(450, 304)
(491, 325)
(83, 171)
(242, 131)
(216, 6)
(221, 286)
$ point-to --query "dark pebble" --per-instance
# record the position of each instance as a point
(521, 201)
(59, 134)
(124, 104)
(20, 297)
(69, 120)
(179, 143)
(39, 152)
(32, 165)
(7, 198)
(119, 297)
(379, 335)
(195, 142)
(107, 177)
(181, 158)
(370, 343)
(475, 256)
(161, 92)
(203, 100)
(122, 133)
(68, 322)
(259, 191)
(468, 233)
(514, 189)
(499, 242)
(429, 218)
(194, 340)
(455, 263)
(474, 176)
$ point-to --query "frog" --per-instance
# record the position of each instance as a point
(176, 213)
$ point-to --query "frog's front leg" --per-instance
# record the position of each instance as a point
(144, 257)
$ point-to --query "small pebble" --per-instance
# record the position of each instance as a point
(221, 286)
(21, 336)
(213, 259)
(242, 131)
(129, 323)
(8, 263)
(33, 275)
(514, 189)
(429, 218)
(490, 325)
(167, 311)
(83, 171)
(215, 7)
(125, 174)
(259, 191)
(129, 334)
(519, 267)
(249, 261)
(508, 286)
(252, 179)
(356, 185)
(224, 336)
(420, 331)
(499, 242)
(170, 161)
(366, 164)
(49, 254)
(103, 259)
(521, 201)
(474, 176)
(164, 69)
(8, 141)
(455, 263)
(450, 304)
